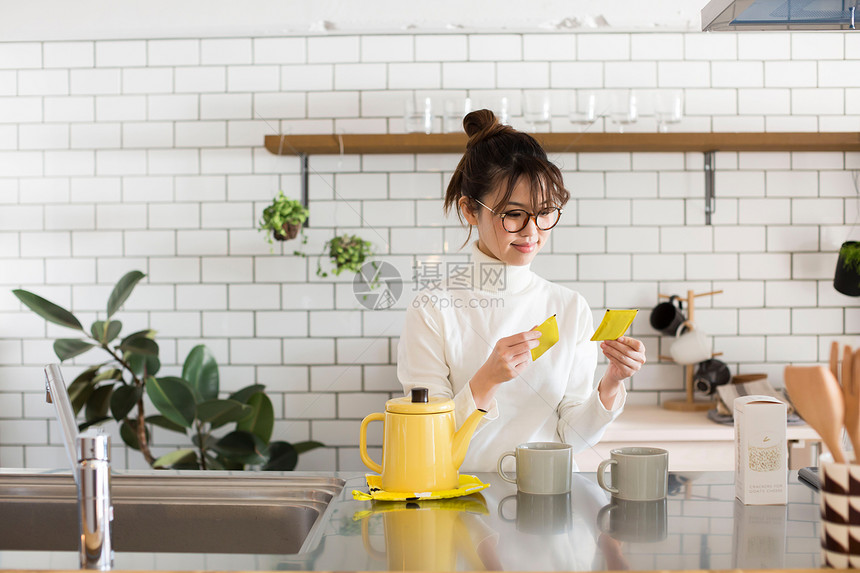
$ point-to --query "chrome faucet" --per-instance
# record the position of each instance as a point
(89, 455)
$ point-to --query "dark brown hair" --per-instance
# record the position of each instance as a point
(499, 156)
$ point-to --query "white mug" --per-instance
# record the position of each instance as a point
(692, 347)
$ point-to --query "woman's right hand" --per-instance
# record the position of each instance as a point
(509, 357)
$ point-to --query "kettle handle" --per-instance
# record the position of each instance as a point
(363, 441)
(365, 538)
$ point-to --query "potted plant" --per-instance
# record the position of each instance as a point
(190, 404)
(284, 218)
(347, 253)
(847, 277)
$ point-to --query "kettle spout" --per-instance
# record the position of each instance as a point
(463, 436)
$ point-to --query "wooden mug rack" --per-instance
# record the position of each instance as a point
(690, 404)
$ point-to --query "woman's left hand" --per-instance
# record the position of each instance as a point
(626, 356)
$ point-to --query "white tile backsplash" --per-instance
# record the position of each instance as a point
(764, 46)
(548, 47)
(20, 55)
(684, 74)
(279, 50)
(148, 154)
(522, 75)
(333, 49)
(468, 75)
(603, 47)
(225, 51)
(441, 48)
(833, 73)
(120, 53)
(200, 79)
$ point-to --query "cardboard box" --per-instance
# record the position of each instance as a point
(761, 451)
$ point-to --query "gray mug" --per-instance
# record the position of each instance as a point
(540, 514)
(542, 467)
(637, 473)
(640, 521)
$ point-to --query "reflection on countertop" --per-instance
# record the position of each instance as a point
(699, 526)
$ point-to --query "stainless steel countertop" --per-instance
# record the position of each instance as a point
(703, 527)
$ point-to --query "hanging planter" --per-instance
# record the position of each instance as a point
(346, 253)
(847, 277)
(284, 218)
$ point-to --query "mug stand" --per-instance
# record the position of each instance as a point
(690, 404)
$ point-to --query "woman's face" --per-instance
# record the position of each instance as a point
(512, 248)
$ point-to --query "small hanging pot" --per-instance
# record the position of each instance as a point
(847, 277)
(291, 231)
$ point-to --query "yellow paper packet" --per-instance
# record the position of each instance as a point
(614, 324)
(549, 336)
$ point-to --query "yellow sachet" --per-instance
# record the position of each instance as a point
(614, 324)
(549, 336)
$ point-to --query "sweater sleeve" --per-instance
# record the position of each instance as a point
(582, 416)
(422, 361)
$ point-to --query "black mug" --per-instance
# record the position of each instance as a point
(667, 316)
(710, 374)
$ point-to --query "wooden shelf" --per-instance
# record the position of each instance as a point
(565, 142)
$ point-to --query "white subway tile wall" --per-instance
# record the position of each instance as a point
(147, 154)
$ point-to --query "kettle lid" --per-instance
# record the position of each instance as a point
(418, 402)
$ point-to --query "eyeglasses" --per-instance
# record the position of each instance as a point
(516, 220)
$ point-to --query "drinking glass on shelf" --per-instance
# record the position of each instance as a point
(502, 111)
(452, 117)
(624, 109)
(582, 109)
(418, 119)
(668, 109)
(537, 110)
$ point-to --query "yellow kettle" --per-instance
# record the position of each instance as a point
(421, 452)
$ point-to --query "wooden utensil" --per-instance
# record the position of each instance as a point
(851, 395)
(834, 359)
(816, 394)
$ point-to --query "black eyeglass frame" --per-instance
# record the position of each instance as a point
(529, 216)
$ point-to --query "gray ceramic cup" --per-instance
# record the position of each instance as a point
(637, 473)
(540, 514)
(640, 521)
(542, 467)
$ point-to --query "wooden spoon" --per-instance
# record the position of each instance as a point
(834, 359)
(851, 395)
(816, 394)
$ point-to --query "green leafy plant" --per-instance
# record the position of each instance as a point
(187, 404)
(849, 255)
(284, 218)
(347, 253)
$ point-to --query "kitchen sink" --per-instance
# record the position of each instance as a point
(182, 512)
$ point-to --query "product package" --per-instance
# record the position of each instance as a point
(761, 452)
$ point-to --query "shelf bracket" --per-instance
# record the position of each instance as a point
(303, 161)
(710, 198)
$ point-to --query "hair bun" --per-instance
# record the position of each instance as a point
(481, 124)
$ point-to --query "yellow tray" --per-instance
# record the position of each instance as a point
(468, 485)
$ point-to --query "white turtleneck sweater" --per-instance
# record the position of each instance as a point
(451, 330)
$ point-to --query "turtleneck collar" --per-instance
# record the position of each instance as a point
(492, 275)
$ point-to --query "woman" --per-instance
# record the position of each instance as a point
(470, 338)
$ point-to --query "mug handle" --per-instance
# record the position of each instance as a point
(601, 475)
(603, 515)
(502, 504)
(502, 473)
(680, 304)
(688, 324)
